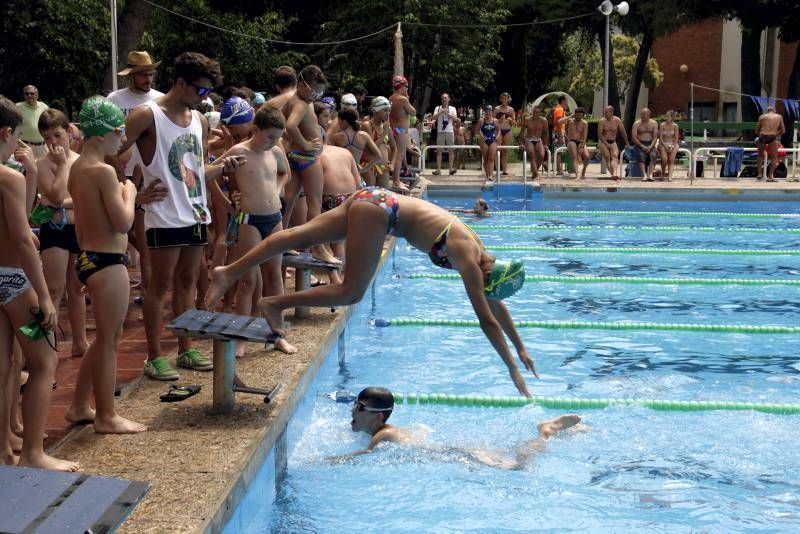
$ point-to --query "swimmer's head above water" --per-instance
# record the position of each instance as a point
(372, 408)
(481, 207)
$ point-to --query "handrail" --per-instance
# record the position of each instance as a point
(699, 152)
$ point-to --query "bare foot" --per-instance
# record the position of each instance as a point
(118, 425)
(220, 282)
(79, 416)
(284, 346)
(240, 350)
(335, 277)
(8, 458)
(273, 315)
(16, 443)
(548, 428)
(78, 351)
(321, 253)
(43, 461)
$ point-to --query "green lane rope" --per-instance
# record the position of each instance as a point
(649, 213)
(629, 228)
(650, 250)
(599, 325)
(634, 280)
(578, 404)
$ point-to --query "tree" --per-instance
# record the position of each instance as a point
(584, 71)
(130, 27)
(62, 47)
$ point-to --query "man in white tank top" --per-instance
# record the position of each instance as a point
(171, 136)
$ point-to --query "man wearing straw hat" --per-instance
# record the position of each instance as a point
(140, 71)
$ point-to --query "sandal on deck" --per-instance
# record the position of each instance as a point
(179, 393)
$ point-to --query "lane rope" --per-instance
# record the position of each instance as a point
(563, 403)
(649, 213)
(650, 250)
(598, 325)
(579, 279)
(630, 228)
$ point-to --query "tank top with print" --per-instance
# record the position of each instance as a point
(178, 163)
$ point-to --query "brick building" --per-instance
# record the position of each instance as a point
(710, 52)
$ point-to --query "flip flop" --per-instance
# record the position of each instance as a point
(179, 393)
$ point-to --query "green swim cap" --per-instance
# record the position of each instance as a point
(99, 116)
(505, 279)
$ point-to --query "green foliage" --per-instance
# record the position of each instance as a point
(584, 68)
(61, 47)
(244, 60)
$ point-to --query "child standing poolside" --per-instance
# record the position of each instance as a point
(104, 212)
(259, 183)
(24, 300)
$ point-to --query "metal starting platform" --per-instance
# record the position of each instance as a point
(303, 264)
(225, 329)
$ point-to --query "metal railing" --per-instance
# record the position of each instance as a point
(718, 153)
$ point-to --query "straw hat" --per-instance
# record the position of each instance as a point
(138, 62)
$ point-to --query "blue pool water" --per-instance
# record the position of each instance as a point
(634, 469)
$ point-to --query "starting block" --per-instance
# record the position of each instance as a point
(225, 329)
(303, 264)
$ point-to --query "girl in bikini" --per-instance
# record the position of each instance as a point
(489, 129)
(356, 141)
(506, 117)
(668, 146)
(364, 221)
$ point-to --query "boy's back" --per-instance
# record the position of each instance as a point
(91, 186)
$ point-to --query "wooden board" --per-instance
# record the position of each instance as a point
(222, 326)
(41, 501)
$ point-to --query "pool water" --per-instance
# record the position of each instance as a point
(634, 469)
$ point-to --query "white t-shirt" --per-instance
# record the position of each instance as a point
(444, 123)
(126, 100)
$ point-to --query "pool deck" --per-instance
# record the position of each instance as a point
(199, 464)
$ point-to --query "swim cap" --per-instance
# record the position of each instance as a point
(99, 116)
(258, 99)
(380, 102)
(348, 101)
(236, 111)
(505, 279)
(330, 102)
(399, 81)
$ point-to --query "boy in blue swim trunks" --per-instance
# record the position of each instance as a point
(104, 213)
(258, 214)
(365, 220)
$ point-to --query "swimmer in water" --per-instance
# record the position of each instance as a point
(480, 209)
(374, 406)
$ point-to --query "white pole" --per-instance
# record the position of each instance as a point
(691, 131)
(607, 62)
(114, 54)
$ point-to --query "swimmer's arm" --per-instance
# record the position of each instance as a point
(546, 134)
(138, 121)
(282, 166)
(119, 199)
(635, 134)
(781, 128)
(374, 153)
(758, 126)
(354, 172)
(408, 107)
(501, 313)
(472, 276)
(48, 181)
(585, 133)
(621, 128)
(656, 135)
(522, 130)
(299, 109)
(217, 196)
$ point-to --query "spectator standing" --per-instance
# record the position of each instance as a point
(445, 116)
(31, 109)
(559, 125)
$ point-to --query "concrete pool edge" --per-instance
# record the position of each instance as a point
(262, 446)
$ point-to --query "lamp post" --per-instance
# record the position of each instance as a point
(606, 8)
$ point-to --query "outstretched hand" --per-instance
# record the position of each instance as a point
(527, 361)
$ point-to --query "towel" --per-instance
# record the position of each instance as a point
(733, 161)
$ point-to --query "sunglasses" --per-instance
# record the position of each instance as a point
(361, 407)
(314, 94)
(201, 90)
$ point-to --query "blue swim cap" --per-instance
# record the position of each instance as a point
(505, 279)
(236, 111)
(258, 99)
(330, 102)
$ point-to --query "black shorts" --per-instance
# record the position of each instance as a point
(187, 236)
(89, 263)
(50, 236)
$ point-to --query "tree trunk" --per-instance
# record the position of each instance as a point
(632, 98)
(751, 71)
(613, 88)
(794, 77)
(130, 27)
(426, 96)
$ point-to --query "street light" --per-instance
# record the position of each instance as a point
(606, 8)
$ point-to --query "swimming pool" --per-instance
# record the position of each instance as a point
(635, 468)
